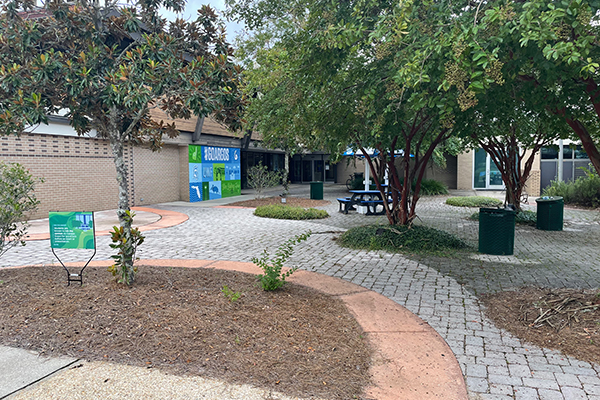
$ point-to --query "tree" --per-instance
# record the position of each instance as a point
(17, 198)
(364, 74)
(105, 67)
(549, 45)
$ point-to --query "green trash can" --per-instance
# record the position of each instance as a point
(496, 231)
(550, 213)
(316, 190)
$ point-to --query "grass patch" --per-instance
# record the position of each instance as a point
(524, 217)
(473, 201)
(395, 239)
(280, 211)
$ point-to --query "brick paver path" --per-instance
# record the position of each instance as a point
(441, 291)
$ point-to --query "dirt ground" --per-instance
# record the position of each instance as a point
(295, 340)
(290, 201)
(563, 319)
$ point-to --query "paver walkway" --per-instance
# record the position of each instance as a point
(440, 291)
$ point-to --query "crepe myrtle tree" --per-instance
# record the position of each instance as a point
(360, 73)
(105, 66)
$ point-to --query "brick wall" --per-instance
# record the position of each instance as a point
(464, 175)
(79, 173)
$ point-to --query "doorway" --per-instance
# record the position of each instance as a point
(486, 174)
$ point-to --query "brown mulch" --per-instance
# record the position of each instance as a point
(563, 319)
(290, 201)
(295, 340)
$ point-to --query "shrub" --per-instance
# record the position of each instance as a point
(473, 201)
(17, 198)
(584, 191)
(418, 239)
(126, 244)
(260, 178)
(280, 211)
(273, 278)
(431, 187)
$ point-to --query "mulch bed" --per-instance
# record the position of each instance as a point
(290, 201)
(563, 319)
(295, 340)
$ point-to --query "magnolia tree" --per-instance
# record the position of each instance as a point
(105, 66)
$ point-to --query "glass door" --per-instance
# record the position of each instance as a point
(486, 174)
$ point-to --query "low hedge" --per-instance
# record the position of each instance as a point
(473, 201)
(280, 211)
(523, 217)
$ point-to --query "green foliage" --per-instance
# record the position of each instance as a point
(126, 242)
(584, 191)
(431, 187)
(260, 178)
(280, 211)
(17, 199)
(230, 294)
(416, 238)
(523, 217)
(473, 201)
(273, 278)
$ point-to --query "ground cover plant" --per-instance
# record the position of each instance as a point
(584, 191)
(523, 217)
(284, 211)
(413, 239)
(431, 187)
(473, 201)
(182, 321)
(563, 319)
(289, 200)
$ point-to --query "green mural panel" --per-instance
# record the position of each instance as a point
(218, 172)
(231, 188)
(205, 192)
(71, 230)
(195, 153)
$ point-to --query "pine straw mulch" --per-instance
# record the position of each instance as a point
(290, 201)
(295, 340)
(563, 319)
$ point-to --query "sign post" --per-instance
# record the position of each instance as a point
(72, 230)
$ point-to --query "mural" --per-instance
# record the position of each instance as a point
(215, 172)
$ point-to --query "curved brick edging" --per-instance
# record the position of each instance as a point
(411, 361)
(167, 220)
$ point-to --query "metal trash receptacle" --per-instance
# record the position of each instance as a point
(496, 231)
(550, 213)
(316, 190)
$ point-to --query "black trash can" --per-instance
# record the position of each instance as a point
(496, 231)
(316, 190)
(550, 213)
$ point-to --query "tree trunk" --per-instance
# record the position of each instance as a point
(587, 142)
(117, 145)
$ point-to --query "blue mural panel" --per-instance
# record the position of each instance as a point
(195, 172)
(211, 154)
(232, 172)
(214, 190)
(195, 192)
(207, 172)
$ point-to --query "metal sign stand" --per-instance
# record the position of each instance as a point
(77, 277)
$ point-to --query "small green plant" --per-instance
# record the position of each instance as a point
(127, 244)
(473, 201)
(230, 294)
(273, 278)
(17, 199)
(431, 187)
(280, 211)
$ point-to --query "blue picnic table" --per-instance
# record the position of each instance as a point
(368, 198)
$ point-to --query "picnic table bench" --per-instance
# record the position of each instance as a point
(367, 198)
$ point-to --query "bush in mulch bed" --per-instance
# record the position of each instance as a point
(473, 201)
(186, 321)
(415, 239)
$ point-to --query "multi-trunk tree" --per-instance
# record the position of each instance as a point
(104, 66)
(360, 74)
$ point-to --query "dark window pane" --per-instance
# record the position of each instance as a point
(549, 153)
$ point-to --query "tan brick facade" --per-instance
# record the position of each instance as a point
(79, 172)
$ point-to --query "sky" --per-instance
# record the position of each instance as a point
(190, 13)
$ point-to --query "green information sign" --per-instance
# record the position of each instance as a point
(72, 230)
